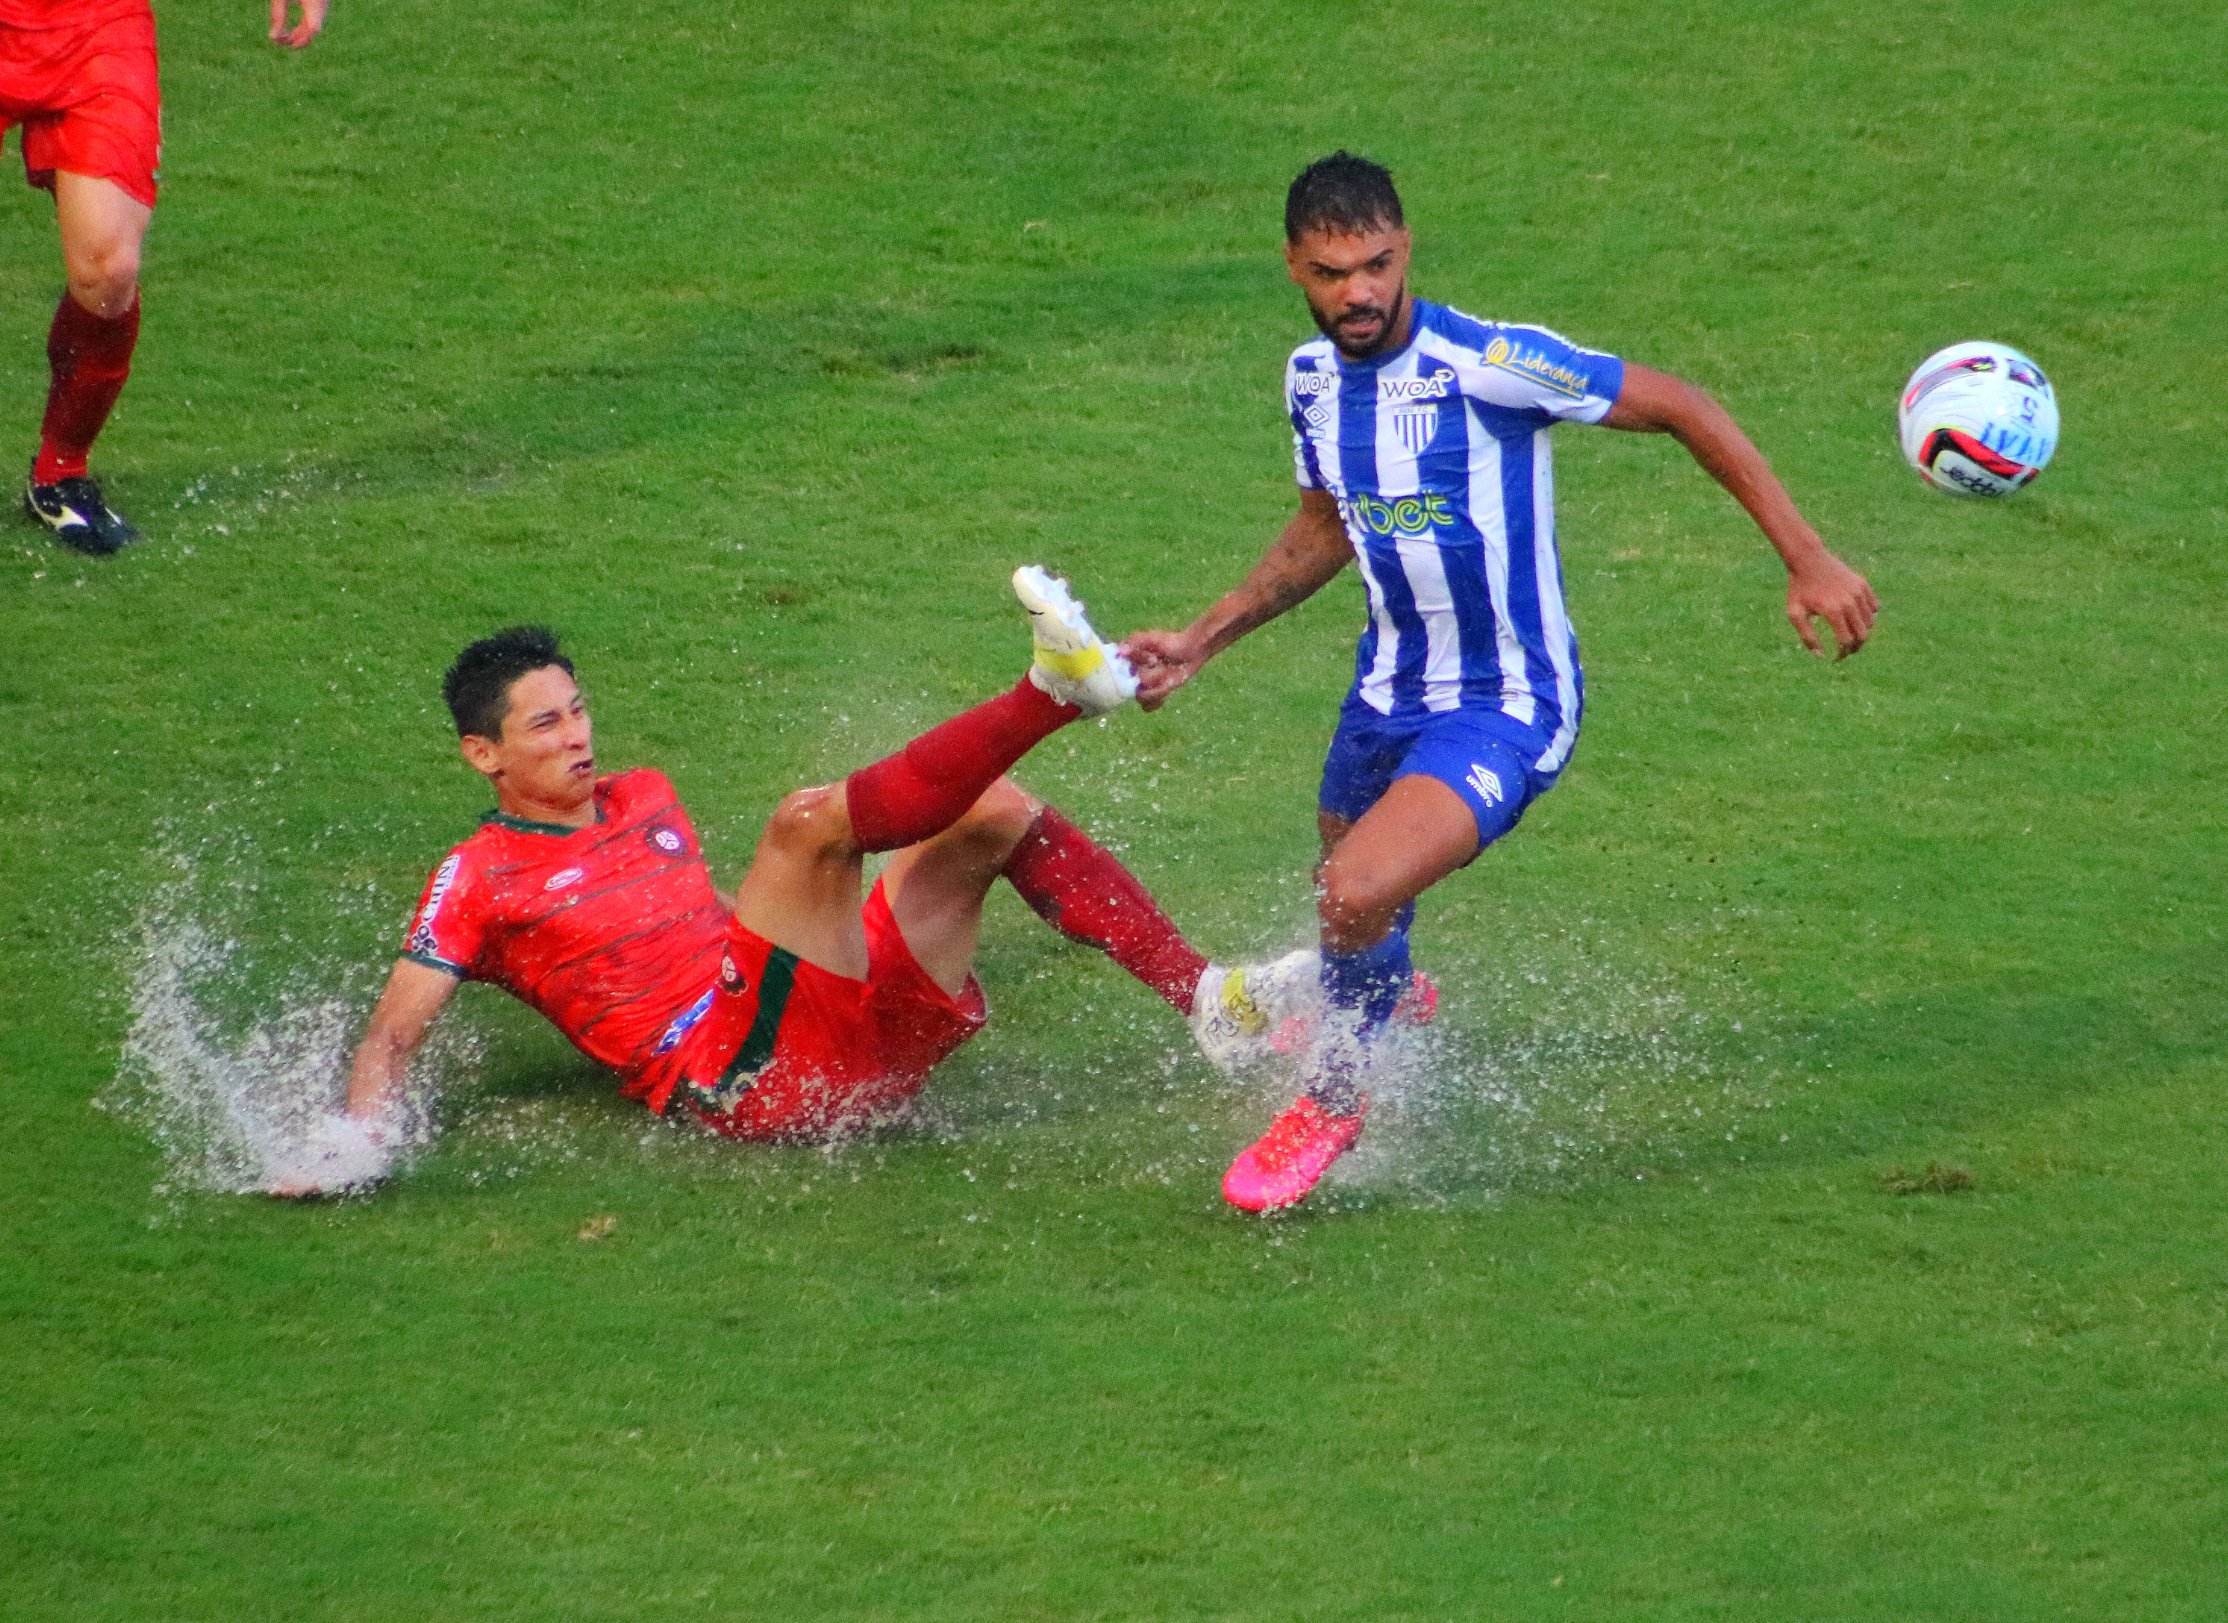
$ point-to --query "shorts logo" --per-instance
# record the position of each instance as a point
(683, 1024)
(730, 977)
(1412, 517)
(1487, 783)
(1435, 387)
(667, 840)
(1534, 366)
(563, 877)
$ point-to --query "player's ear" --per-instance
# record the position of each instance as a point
(481, 754)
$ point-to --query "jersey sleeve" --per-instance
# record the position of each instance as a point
(1302, 390)
(1533, 369)
(447, 930)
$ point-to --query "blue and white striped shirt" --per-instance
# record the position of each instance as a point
(1438, 457)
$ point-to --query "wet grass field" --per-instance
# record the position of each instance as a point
(1812, 1202)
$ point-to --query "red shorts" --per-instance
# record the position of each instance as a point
(789, 1051)
(87, 101)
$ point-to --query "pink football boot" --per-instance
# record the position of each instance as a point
(1288, 1160)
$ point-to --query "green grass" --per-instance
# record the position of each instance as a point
(752, 348)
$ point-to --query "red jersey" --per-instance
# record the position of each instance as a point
(78, 14)
(611, 931)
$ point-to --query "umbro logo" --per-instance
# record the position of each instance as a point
(1487, 783)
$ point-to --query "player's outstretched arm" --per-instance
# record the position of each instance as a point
(296, 35)
(352, 1150)
(1819, 585)
(1302, 561)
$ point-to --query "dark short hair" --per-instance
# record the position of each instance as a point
(1343, 194)
(478, 686)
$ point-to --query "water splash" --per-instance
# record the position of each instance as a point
(1534, 1081)
(1590, 1062)
(231, 1093)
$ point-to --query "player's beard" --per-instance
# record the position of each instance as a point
(1389, 324)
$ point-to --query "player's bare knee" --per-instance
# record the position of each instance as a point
(1354, 913)
(810, 823)
(104, 276)
(1002, 816)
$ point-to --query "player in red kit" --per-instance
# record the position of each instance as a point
(791, 1011)
(78, 77)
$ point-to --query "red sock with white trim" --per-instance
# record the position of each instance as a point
(928, 785)
(88, 358)
(1082, 890)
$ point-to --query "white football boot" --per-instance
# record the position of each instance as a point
(1072, 664)
(1237, 1011)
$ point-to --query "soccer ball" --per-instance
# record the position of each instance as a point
(1978, 419)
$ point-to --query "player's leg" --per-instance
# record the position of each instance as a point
(103, 230)
(1077, 886)
(89, 351)
(1081, 889)
(1417, 834)
(936, 888)
(802, 890)
(96, 142)
(1455, 791)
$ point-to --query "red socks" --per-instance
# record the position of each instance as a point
(925, 787)
(89, 357)
(1075, 885)
(1079, 888)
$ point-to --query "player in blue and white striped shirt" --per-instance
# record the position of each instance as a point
(1421, 441)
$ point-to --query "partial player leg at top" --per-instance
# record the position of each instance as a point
(90, 107)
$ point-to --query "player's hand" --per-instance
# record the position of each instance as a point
(1827, 589)
(339, 1154)
(301, 33)
(1164, 661)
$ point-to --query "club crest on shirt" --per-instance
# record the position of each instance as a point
(1414, 426)
(1534, 366)
(730, 976)
(667, 840)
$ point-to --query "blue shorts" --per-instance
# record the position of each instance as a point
(1482, 755)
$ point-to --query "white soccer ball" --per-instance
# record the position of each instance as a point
(1978, 419)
